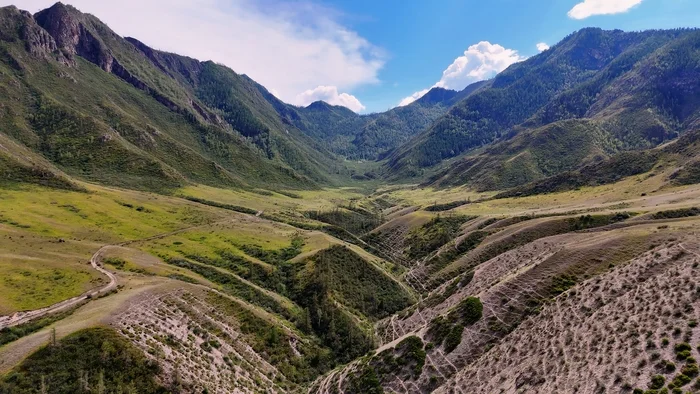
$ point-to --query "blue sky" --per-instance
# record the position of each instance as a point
(422, 38)
(369, 55)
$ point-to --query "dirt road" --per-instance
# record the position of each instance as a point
(23, 317)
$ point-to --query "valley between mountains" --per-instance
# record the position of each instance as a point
(170, 226)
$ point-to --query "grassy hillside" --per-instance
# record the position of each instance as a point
(680, 156)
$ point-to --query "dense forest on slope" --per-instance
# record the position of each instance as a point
(616, 90)
(96, 359)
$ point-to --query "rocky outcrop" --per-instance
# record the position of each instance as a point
(72, 37)
(20, 25)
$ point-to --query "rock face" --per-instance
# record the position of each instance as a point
(75, 36)
(21, 24)
(72, 36)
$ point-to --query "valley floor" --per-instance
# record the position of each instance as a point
(579, 291)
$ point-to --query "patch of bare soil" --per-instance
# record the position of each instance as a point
(524, 285)
(195, 345)
(610, 334)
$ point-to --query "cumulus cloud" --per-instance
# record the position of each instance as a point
(589, 8)
(415, 96)
(480, 61)
(542, 47)
(330, 95)
(288, 48)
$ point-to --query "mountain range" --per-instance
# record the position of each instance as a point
(595, 94)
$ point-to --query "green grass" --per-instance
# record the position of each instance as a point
(27, 288)
(47, 236)
(10, 334)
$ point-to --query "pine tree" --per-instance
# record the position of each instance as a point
(44, 388)
(101, 389)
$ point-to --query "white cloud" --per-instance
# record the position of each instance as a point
(480, 61)
(542, 47)
(287, 47)
(330, 95)
(415, 96)
(589, 8)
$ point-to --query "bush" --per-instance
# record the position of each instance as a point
(666, 365)
(682, 350)
(438, 329)
(470, 310)
(690, 370)
(365, 381)
(453, 338)
(657, 382)
(680, 380)
(412, 353)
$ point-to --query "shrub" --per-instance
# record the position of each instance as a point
(680, 380)
(666, 365)
(438, 329)
(690, 370)
(454, 338)
(365, 381)
(683, 355)
(412, 352)
(470, 310)
(682, 350)
(657, 382)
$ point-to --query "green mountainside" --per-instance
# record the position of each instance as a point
(595, 93)
(367, 137)
(112, 110)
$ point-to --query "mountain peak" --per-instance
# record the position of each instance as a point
(437, 95)
(73, 35)
(319, 105)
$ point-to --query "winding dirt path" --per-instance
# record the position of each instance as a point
(25, 316)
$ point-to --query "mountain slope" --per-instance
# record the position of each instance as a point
(639, 88)
(367, 137)
(679, 159)
(111, 110)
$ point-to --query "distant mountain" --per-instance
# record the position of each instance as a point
(367, 137)
(80, 101)
(592, 95)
